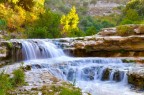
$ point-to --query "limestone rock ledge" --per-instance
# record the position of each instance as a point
(107, 46)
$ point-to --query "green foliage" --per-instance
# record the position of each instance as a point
(125, 30)
(47, 26)
(2, 24)
(137, 5)
(91, 31)
(65, 89)
(133, 13)
(126, 21)
(7, 84)
(18, 77)
(76, 33)
(91, 26)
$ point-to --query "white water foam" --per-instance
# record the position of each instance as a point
(87, 73)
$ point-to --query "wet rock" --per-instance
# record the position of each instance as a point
(136, 80)
(28, 67)
(117, 76)
(106, 74)
(36, 66)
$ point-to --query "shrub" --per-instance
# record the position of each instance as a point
(62, 90)
(67, 91)
(91, 31)
(76, 33)
(47, 26)
(2, 24)
(125, 30)
(5, 84)
(126, 21)
(18, 77)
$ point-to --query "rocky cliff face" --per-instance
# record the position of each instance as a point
(108, 46)
(108, 43)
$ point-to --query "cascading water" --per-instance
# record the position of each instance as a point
(98, 76)
(40, 49)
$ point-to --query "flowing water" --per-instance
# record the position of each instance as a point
(98, 76)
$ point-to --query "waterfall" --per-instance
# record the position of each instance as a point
(89, 69)
(97, 76)
(40, 49)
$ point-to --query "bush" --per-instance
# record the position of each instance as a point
(67, 91)
(126, 21)
(62, 90)
(76, 33)
(125, 30)
(18, 77)
(8, 84)
(91, 31)
(2, 24)
(47, 26)
(5, 83)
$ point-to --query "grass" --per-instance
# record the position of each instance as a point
(64, 89)
(8, 84)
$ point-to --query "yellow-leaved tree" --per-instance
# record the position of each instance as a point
(69, 22)
(18, 13)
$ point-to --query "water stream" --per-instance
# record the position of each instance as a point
(98, 76)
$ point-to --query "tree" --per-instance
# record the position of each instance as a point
(69, 22)
(18, 13)
(137, 5)
(47, 26)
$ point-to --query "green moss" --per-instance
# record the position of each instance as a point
(10, 44)
(128, 61)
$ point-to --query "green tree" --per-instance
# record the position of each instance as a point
(47, 26)
(132, 15)
(137, 5)
(91, 31)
